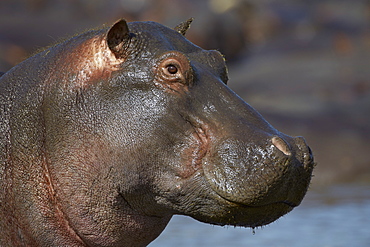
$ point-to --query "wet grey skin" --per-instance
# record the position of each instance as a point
(106, 136)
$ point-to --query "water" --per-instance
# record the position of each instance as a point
(333, 217)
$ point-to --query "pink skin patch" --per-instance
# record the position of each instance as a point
(87, 62)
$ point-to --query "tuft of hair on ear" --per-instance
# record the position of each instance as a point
(117, 36)
(184, 26)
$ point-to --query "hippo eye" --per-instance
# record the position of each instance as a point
(172, 69)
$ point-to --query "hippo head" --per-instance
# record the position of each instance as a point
(197, 147)
(136, 124)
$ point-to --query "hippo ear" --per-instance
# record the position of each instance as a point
(118, 37)
(184, 26)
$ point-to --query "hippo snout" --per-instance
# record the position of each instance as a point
(275, 171)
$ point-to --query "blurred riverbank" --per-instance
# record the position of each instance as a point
(305, 65)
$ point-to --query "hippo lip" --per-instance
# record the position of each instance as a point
(288, 203)
(285, 202)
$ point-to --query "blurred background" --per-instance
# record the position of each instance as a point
(303, 64)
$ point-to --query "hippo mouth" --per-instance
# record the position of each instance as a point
(283, 203)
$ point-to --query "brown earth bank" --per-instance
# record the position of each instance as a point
(304, 65)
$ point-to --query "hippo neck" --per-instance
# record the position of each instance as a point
(94, 206)
(53, 225)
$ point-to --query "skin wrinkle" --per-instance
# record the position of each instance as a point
(195, 154)
(52, 194)
(47, 179)
(203, 134)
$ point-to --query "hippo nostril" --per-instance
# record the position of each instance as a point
(281, 145)
(304, 152)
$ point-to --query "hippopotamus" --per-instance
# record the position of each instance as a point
(104, 137)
